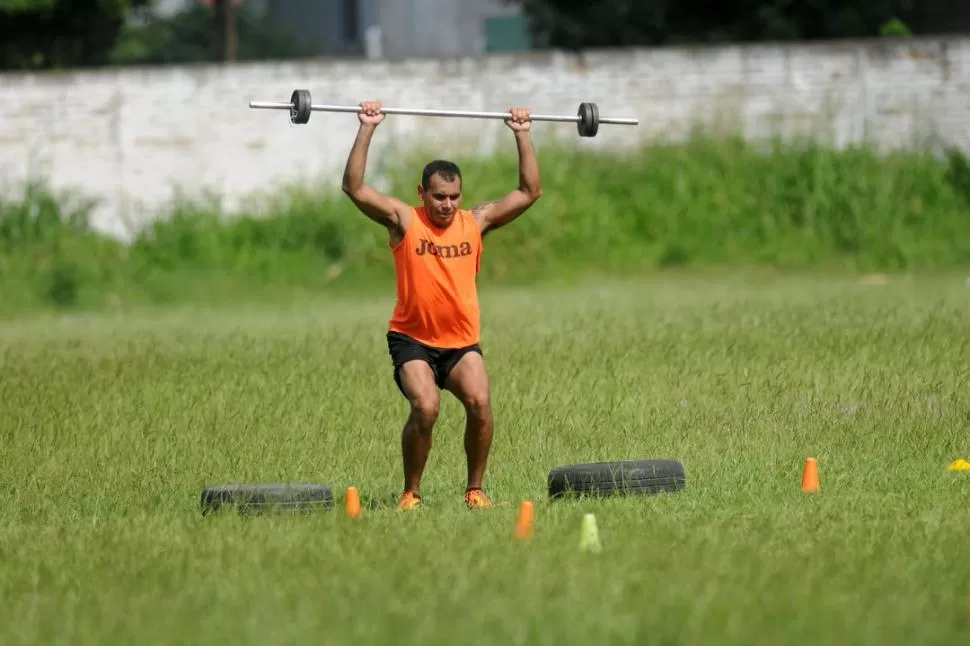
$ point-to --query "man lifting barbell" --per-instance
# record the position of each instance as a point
(433, 333)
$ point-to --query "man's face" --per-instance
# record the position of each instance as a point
(441, 200)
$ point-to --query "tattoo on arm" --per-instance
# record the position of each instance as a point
(477, 211)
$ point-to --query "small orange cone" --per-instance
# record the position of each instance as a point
(353, 502)
(810, 483)
(524, 525)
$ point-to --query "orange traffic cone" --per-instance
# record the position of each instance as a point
(524, 525)
(810, 483)
(353, 502)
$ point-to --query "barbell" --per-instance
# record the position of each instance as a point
(587, 118)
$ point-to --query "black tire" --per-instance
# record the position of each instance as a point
(267, 498)
(624, 477)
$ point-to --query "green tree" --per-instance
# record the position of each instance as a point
(45, 34)
(196, 35)
(578, 24)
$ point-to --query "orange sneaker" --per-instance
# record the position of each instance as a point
(409, 500)
(476, 499)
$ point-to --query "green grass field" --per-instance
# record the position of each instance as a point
(112, 425)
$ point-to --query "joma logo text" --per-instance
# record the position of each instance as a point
(444, 251)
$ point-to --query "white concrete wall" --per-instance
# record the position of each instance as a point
(133, 138)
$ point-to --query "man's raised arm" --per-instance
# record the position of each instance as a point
(498, 213)
(386, 210)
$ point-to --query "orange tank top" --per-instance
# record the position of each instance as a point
(437, 296)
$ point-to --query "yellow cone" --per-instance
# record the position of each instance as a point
(960, 465)
(590, 539)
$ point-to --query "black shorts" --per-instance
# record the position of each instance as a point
(403, 348)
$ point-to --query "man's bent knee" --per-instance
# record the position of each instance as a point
(468, 381)
(424, 409)
(422, 393)
(477, 403)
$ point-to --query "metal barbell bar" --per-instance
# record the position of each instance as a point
(587, 118)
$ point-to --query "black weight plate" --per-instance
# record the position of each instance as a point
(582, 124)
(625, 477)
(588, 123)
(263, 498)
(300, 113)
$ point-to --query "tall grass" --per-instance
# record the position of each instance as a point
(704, 203)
